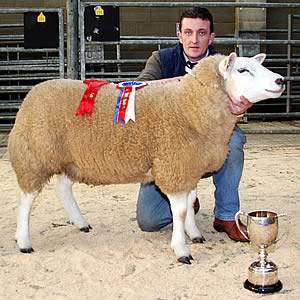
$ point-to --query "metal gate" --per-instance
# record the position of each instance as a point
(110, 60)
(121, 60)
(24, 65)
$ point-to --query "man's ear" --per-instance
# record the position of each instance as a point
(212, 37)
(260, 57)
(179, 35)
(227, 63)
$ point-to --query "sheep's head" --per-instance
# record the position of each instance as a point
(247, 78)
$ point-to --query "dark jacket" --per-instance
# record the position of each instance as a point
(166, 63)
(172, 61)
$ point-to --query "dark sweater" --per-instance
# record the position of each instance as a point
(167, 63)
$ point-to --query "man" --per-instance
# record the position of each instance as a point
(196, 34)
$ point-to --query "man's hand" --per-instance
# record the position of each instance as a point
(241, 106)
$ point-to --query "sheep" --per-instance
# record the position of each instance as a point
(181, 132)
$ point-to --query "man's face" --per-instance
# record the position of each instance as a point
(195, 36)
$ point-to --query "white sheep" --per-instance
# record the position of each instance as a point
(181, 132)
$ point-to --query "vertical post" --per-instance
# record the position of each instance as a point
(289, 64)
(118, 48)
(61, 43)
(81, 8)
(237, 28)
(72, 39)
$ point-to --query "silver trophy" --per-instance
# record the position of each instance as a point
(262, 228)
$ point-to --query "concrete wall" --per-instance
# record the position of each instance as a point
(161, 21)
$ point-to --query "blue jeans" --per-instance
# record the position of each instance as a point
(153, 208)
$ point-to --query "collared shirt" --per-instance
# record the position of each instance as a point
(191, 64)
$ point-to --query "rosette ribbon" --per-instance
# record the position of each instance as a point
(88, 99)
(125, 108)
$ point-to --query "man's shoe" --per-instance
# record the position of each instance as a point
(196, 205)
(230, 228)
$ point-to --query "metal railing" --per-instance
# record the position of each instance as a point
(94, 63)
(21, 68)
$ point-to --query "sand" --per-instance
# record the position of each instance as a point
(116, 260)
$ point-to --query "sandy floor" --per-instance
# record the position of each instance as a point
(118, 261)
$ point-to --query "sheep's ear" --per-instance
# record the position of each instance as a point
(260, 57)
(227, 63)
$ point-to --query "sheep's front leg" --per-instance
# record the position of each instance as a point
(64, 191)
(22, 233)
(191, 228)
(178, 203)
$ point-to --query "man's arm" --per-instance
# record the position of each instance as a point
(152, 71)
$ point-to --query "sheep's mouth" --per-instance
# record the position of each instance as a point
(279, 91)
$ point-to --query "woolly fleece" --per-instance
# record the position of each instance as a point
(181, 132)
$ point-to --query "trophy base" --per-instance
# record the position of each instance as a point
(263, 289)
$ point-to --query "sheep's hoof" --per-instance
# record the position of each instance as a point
(27, 250)
(86, 228)
(185, 259)
(199, 240)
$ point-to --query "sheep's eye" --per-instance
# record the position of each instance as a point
(242, 70)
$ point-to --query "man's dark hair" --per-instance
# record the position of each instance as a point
(198, 12)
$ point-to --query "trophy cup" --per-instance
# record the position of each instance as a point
(262, 228)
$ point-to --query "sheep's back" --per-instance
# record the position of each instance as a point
(49, 138)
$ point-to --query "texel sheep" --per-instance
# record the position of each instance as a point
(181, 132)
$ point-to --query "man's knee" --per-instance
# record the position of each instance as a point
(146, 224)
(153, 210)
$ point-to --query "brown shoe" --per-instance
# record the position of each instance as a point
(230, 228)
(196, 205)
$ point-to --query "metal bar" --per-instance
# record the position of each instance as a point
(169, 39)
(82, 40)
(224, 41)
(16, 88)
(25, 68)
(4, 10)
(272, 131)
(118, 50)
(289, 66)
(21, 49)
(39, 78)
(186, 4)
(292, 78)
(10, 37)
(141, 60)
(72, 39)
(114, 73)
(287, 115)
(7, 117)
(115, 61)
(48, 62)
(11, 24)
(61, 48)
(274, 115)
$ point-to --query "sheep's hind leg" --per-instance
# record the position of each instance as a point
(190, 225)
(22, 233)
(178, 203)
(64, 192)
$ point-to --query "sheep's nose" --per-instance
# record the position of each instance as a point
(279, 81)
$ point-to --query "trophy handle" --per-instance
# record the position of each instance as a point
(237, 219)
(287, 228)
(282, 215)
